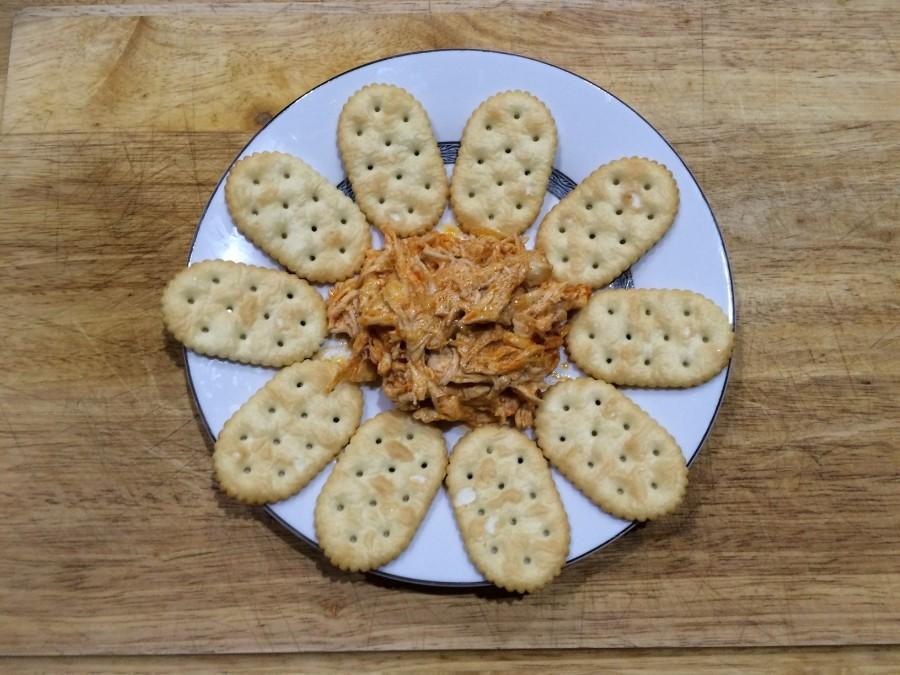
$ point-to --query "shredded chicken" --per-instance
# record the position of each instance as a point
(462, 329)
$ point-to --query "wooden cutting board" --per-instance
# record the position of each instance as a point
(116, 124)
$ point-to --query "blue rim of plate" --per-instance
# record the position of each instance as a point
(462, 585)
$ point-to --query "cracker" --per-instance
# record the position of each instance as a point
(392, 159)
(609, 221)
(503, 166)
(244, 313)
(294, 214)
(286, 433)
(613, 451)
(379, 491)
(507, 508)
(650, 338)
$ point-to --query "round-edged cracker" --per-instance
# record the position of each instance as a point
(512, 520)
(294, 214)
(286, 433)
(244, 313)
(614, 452)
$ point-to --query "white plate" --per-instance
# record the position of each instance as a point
(594, 127)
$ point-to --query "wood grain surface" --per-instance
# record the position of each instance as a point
(117, 122)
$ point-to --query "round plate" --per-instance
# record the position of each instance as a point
(594, 128)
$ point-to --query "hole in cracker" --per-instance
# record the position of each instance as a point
(284, 235)
(562, 230)
(255, 212)
(493, 549)
(215, 280)
(284, 205)
(656, 452)
(500, 486)
(646, 362)
(654, 485)
(687, 312)
(565, 258)
(592, 235)
(615, 181)
(513, 521)
(480, 160)
(469, 476)
(471, 193)
(359, 473)
(256, 181)
(566, 408)
(266, 315)
(424, 465)
(562, 439)
(190, 301)
(247, 469)
(546, 533)
(410, 210)
(590, 464)
(342, 250)
(627, 336)
(595, 265)
(352, 538)
(243, 437)
(335, 419)
(205, 329)
(302, 322)
(620, 491)
(299, 385)
(406, 498)
(527, 172)
(489, 450)
(520, 460)
(666, 337)
(377, 108)
(381, 200)
(409, 437)
(499, 183)
(309, 446)
(276, 441)
(370, 167)
(343, 221)
(622, 458)
(490, 216)
(359, 132)
(527, 560)
(427, 186)
(416, 153)
(610, 311)
(647, 311)
(618, 212)
(304, 414)
(588, 206)
(378, 441)
(518, 206)
(480, 512)
(535, 138)
(507, 150)
(406, 118)
(609, 359)
(590, 336)
(532, 494)
(705, 338)
(271, 409)
(686, 363)
(312, 258)
(386, 533)
(597, 401)
(243, 336)
(340, 507)
(399, 176)
(622, 240)
(372, 502)
(487, 126)
(649, 216)
(281, 473)
(315, 198)
(646, 186)
(392, 469)
(626, 426)
(280, 343)
(593, 432)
